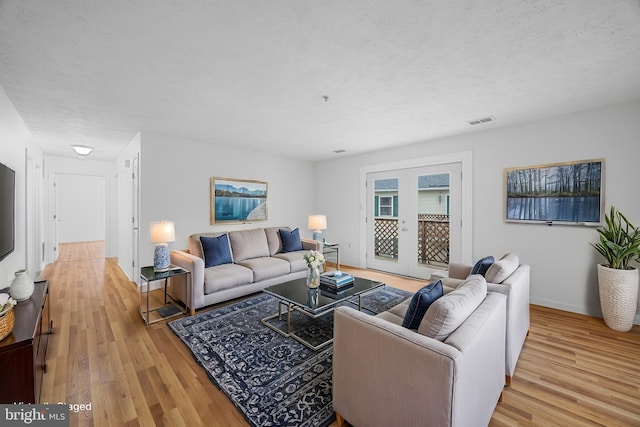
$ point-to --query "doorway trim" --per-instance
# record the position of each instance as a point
(463, 157)
(34, 215)
(55, 208)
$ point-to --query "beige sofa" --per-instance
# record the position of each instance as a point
(388, 375)
(257, 261)
(507, 276)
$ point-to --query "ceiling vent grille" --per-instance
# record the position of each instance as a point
(339, 151)
(481, 121)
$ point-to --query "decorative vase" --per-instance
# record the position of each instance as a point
(313, 277)
(21, 287)
(618, 291)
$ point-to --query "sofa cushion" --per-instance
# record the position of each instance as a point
(396, 313)
(295, 259)
(447, 313)
(483, 265)
(290, 240)
(419, 304)
(216, 250)
(273, 239)
(265, 268)
(225, 276)
(502, 268)
(247, 244)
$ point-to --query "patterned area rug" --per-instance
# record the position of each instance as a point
(272, 379)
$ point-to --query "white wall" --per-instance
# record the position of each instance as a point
(174, 185)
(15, 139)
(89, 168)
(81, 202)
(563, 264)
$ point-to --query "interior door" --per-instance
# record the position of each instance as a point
(54, 224)
(413, 219)
(135, 215)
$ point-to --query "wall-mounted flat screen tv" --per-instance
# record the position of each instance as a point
(7, 211)
(559, 193)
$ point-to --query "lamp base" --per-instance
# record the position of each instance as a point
(161, 257)
(317, 236)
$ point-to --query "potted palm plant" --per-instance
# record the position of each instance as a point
(617, 280)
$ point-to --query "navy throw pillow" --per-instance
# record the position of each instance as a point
(420, 303)
(483, 265)
(290, 240)
(216, 250)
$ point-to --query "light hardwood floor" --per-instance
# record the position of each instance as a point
(573, 371)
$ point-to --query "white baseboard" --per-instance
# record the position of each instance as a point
(588, 311)
(125, 271)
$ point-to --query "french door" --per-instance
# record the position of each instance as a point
(414, 219)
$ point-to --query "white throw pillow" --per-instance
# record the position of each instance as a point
(502, 268)
(450, 311)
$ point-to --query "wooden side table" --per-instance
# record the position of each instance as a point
(170, 307)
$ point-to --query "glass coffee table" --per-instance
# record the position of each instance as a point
(314, 303)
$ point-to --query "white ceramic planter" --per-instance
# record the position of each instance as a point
(618, 296)
(22, 286)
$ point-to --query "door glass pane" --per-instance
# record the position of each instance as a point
(386, 218)
(433, 219)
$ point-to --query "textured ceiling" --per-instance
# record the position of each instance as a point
(253, 73)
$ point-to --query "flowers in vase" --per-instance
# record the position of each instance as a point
(314, 259)
(6, 302)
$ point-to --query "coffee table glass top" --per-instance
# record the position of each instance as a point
(319, 299)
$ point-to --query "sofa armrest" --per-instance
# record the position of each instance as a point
(480, 375)
(311, 245)
(516, 289)
(384, 374)
(438, 275)
(459, 271)
(195, 265)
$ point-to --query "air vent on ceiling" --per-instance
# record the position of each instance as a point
(339, 151)
(480, 121)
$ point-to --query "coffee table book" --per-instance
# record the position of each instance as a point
(334, 292)
(335, 281)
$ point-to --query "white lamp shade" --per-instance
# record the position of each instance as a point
(317, 222)
(163, 232)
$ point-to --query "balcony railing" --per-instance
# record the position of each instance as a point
(433, 238)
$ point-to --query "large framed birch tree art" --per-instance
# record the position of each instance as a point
(569, 193)
(237, 200)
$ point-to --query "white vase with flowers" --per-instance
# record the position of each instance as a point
(314, 261)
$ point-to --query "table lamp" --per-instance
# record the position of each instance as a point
(162, 232)
(317, 223)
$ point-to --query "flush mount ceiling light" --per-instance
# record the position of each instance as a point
(481, 121)
(82, 150)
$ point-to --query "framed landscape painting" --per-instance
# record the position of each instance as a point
(238, 200)
(558, 193)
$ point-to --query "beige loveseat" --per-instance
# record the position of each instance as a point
(506, 276)
(257, 261)
(448, 372)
